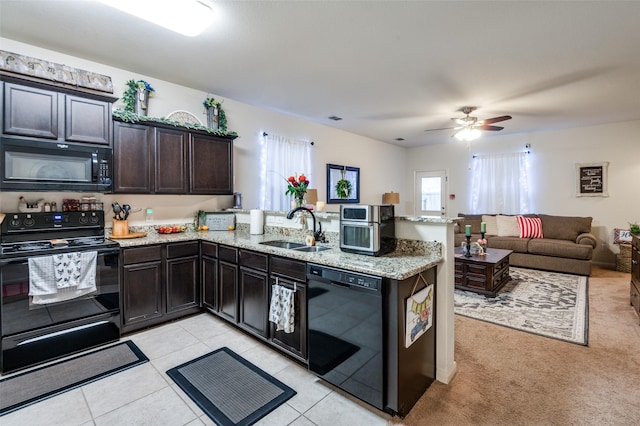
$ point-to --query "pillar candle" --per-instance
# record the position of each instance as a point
(467, 230)
(483, 226)
(320, 206)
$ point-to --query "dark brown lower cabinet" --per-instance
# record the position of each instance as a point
(209, 274)
(228, 283)
(159, 283)
(294, 343)
(254, 302)
(293, 275)
(141, 286)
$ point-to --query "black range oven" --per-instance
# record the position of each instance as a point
(60, 287)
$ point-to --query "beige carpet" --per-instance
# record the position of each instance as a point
(508, 377)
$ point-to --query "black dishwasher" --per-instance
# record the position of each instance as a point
(345, 331)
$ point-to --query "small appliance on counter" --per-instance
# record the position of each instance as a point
(367, 229)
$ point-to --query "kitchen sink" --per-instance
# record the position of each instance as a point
(312, 249)
(283, 244)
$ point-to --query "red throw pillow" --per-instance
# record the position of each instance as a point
(530, 227)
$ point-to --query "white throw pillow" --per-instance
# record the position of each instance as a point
(492, 224)
(507, 226)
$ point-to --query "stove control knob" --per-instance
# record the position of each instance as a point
(94, 219)
(15, 221)
(29, 221)
(83, 219)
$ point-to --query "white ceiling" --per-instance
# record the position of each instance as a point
(390, 69)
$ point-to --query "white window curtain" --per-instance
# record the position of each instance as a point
(500, 184)
(281, 158)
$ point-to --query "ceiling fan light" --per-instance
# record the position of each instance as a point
(187, 17)
(467, 134)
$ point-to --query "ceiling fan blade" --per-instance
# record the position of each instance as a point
(487, 127)
(496, 119)
(441, 128)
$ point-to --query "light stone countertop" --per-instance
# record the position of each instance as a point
(402, 263)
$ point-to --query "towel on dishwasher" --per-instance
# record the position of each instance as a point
(282, 311)
(49, 283)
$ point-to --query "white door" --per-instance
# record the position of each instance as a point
(430, 190)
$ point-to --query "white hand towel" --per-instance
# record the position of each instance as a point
(282, 310)
(43, 280)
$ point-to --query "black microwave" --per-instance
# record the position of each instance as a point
(54, 166)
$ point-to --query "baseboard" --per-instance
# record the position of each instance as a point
(445, 376)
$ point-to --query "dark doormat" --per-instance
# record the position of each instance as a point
(230, 389)
(44, 382)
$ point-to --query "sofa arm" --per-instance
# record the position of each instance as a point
(587, 239)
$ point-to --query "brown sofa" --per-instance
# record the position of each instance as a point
(567, 245)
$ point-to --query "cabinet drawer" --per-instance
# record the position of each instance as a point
(188, 248)
(255, 260)
(209, 249)
(294, 269)
(228, 254)
(141, 254)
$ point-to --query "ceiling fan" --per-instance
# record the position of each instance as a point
(468, 128)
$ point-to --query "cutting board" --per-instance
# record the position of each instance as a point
(129, 235)
(219, 221)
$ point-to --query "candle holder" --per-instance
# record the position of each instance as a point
(467, 250)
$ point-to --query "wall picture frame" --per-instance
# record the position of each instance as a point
(335, 173)
(591, 179)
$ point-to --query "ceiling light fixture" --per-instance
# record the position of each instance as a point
(187, 17)
(468, 134)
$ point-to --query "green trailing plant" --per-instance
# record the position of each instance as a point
(210, 102)
(132, 117)
(634, 228)
(129, 96)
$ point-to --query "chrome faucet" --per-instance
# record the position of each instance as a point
(317, 235)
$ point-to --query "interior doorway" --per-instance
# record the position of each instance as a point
(430, 190)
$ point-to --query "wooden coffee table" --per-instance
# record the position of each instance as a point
(485, 274)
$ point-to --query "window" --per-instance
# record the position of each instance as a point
(500, 183)
(429, 193)
(282, 157)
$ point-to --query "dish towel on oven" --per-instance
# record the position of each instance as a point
(281, 311)
(62, 276)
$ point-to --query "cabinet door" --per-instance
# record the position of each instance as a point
(209, 283)
(142, 292)
(87, 120)
(210, 165)
(182, 283)
(30, 112)
(170, 161)
(295, 343)
(228, 291)
(133, 168)
(254, 301)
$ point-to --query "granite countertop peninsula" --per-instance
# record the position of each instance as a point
(410, 257)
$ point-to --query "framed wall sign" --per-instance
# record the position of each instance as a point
(591, 179)
(343, 184)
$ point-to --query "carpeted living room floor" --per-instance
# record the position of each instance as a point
(508, 377)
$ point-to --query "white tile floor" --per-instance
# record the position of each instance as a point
(145, 395)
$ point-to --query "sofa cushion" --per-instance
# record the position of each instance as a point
(560, 248)
(564, 227)
(470, 219)
(492, 224)
(507, 226)
(516, 244)
(530, 227)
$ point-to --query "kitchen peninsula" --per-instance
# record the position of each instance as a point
(251, 265)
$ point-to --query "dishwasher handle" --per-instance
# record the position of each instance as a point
(343, 278)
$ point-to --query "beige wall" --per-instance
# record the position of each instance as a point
(552, 164)
(381, 164)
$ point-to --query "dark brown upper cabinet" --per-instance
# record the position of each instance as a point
(163, 159)
(38, 111)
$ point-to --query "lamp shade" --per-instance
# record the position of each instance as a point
(391, 198)
(312, 196)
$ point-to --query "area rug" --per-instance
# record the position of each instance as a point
(229, 389)
(549, 304)
(36, 385)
